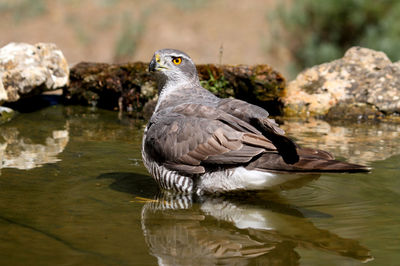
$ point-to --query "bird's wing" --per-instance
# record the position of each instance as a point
(188, 137)
(311, 161)
(258, 117)
(246, 111)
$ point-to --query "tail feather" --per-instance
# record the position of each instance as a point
(309, 161)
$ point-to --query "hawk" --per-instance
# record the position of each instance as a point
(196, 142)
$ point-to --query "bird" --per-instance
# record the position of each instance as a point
(196, 142)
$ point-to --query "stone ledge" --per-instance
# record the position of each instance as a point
(130, 86)
(364, 84)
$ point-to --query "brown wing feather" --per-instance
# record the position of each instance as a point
(190, 136)
(310, 161)
(258, 117)
(246, 111)
(308, 152)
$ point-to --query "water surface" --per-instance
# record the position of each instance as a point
(73, 191)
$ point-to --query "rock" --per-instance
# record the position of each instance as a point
(110, 86)
(27, 70)
(6, 114)
(257, 84)
(364, 84)
(130, 86)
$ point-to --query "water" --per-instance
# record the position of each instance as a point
(73, 191)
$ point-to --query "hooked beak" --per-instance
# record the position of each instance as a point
(153, 65)
(156, 64)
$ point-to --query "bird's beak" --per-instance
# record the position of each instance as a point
(156, 64)
(152, 65)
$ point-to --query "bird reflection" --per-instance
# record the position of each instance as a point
(231, 229)
(235, 230)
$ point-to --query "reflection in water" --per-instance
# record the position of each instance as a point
(358, 143)
(20, 152)
(34, 139)
(236, 230)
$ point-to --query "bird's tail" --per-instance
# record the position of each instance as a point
(310, 161)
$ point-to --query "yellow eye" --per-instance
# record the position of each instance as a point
(177, 60)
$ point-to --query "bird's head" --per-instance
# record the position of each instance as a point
(173, 67)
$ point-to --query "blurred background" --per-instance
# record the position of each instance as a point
(288, 35)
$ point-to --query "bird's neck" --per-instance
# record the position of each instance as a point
(168, 87)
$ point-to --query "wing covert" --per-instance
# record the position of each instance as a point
(189, 137)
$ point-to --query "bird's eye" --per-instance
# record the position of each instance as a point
(177, 60)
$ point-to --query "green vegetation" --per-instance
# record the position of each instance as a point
(189, 5)
(6, 114)
(320, 31)
(219, 86)
(23, 9)
(82, 34)
(107, 3)
(130, 35)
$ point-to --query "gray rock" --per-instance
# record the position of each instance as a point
(30, 69)
(364, 80)
(6, 114)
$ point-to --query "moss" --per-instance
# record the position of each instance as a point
(6, 114)
(298, 110)
(354, 112)
(219, 86)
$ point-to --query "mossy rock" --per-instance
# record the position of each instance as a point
(257, 84)
(6, 114)
(354, 112)
(130, 86)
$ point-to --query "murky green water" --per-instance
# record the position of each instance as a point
(73, 191)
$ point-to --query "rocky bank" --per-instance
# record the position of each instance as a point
(27, 70)
(130, 87)
(363, 85)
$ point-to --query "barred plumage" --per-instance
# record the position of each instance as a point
(167, 179)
